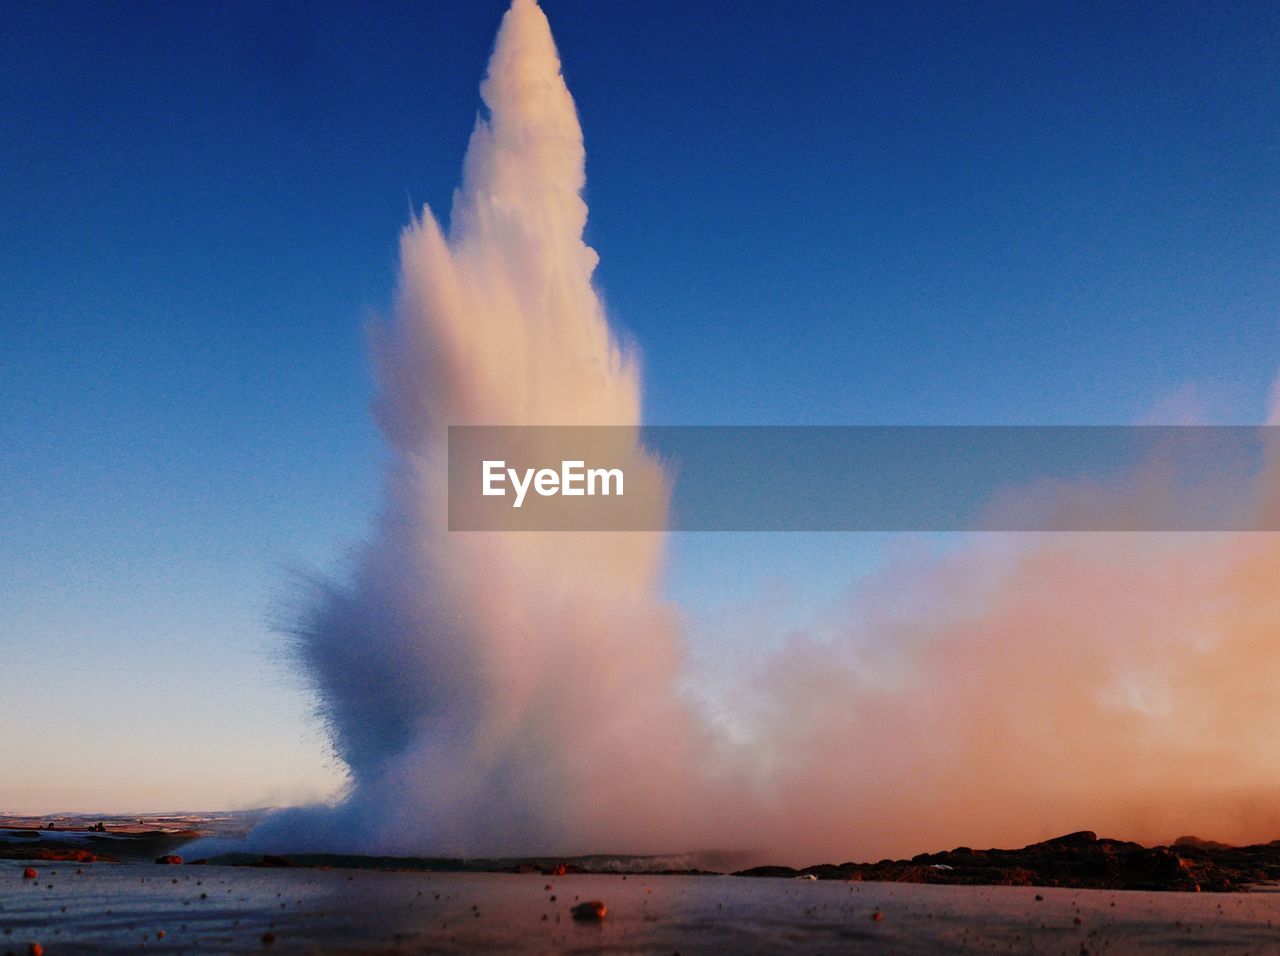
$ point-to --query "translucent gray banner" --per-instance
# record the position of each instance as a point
(872, 478)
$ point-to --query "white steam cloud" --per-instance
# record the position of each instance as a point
(498, 692)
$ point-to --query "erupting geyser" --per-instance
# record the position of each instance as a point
(496, 692)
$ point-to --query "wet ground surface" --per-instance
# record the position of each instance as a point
(125, 908)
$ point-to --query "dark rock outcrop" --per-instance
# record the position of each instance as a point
(55, 854)
(1078, 859)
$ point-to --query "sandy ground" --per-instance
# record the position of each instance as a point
(122, 907)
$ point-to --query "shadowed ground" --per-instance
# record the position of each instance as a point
(118, 907)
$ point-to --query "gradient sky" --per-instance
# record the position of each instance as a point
(808, 212)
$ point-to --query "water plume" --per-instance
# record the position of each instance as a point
(496, 693)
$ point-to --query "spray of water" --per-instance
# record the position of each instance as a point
(505, 693)
(495, 693)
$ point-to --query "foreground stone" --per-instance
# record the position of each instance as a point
(589, 911)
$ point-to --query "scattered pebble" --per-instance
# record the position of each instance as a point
(591, 910)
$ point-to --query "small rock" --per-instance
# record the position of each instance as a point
(268, 938)
(35, 949)
(591, 910)
(29, 873)
(877, 917)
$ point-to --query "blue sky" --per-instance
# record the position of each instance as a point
(811, 212)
